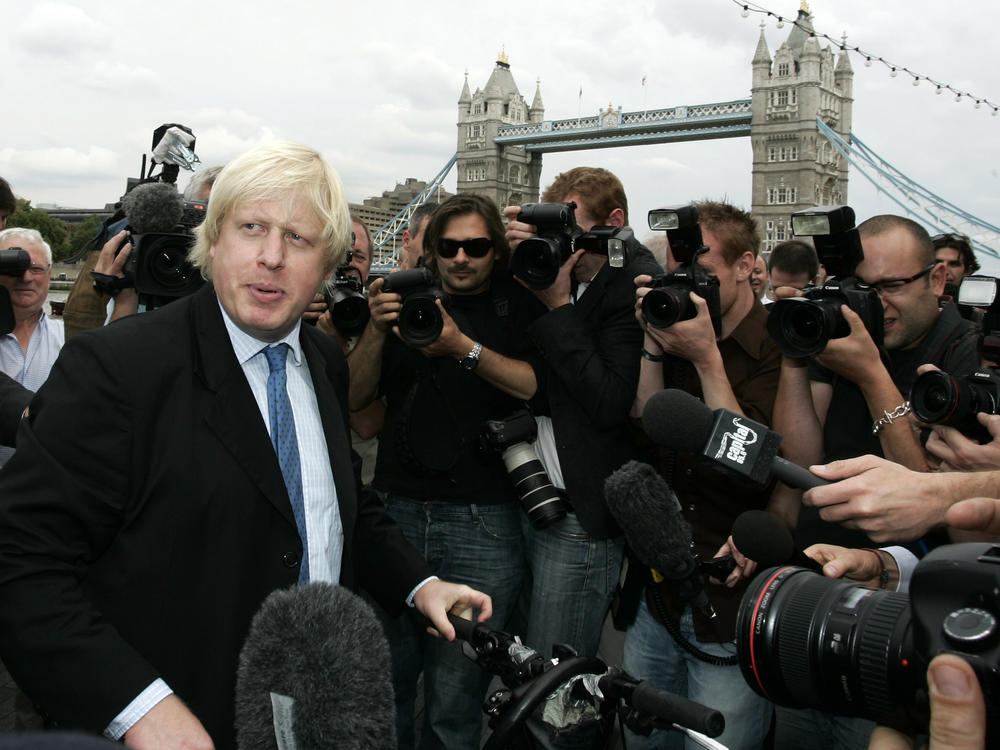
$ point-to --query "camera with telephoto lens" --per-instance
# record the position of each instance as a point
(802, 326)
(514, 438)
(159, 265)
(14, 261)
(346, 300)
(939, 398)
(669, 300)
(806, 641)
(419, 321)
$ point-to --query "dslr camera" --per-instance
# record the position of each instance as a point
(806, 641)
(419, 321)
(939, 398)
(802, 326)
(537, 260)
(346, 300)
(514, 439)
(669, 299)
(978, 301)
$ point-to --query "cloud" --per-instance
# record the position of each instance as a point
(58, 30)
(60, 162)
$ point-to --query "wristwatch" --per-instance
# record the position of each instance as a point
(471, 360)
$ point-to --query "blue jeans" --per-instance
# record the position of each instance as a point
(573, 579)
(810, 729)
(479, 545)
(651, 654)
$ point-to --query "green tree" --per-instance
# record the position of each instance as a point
(82, 234)
(52, 230)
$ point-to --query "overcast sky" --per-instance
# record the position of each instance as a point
(375, 87)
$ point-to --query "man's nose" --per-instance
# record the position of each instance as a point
(272, 253)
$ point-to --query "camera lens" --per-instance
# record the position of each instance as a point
(420, 321)
(664, 306)
(536, 261)
(802, 327)
(162, 267)
(806, 641)
(939, 398)
(349, 311)
(540, 500)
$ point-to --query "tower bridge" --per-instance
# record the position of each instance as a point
(798, 119)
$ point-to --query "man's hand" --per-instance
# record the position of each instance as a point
(959, 453)
(975, 514)
(887, 501)
(854, 356)
(111, 261)
(786, 292)
(958, 710)
(168, 725)
(745, 567)
(861, 565)
(517, 230)
(561, 291)
(316, 308)
(693, 340)
(450, 343)
(435, 599)
(384, 306)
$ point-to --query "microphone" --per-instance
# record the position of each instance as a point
(768, 542)
(314, 672)
(744, 448)
(650, 517)
(153, 207)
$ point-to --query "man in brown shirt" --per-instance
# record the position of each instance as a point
(738, 371)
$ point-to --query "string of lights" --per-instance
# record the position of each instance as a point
(870, 58)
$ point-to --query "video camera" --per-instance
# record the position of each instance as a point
(537, 260)
(419, 321)
(806, 641)
(669, 300)
(577, 697)
(514, 439)
(802, 326)
(158, 266)
(14, 261)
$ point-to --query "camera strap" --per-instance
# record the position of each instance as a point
(674, 629)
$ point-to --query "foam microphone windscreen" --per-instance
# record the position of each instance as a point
(676, 419)
(763, 538)
(153, 207)
(321, 650)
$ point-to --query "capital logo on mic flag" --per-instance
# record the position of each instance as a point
(741, 445)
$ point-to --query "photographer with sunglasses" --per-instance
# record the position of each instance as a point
(454, 501)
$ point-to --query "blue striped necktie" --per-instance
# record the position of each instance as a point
(286, 444)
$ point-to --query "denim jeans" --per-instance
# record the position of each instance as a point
(810, 729)
(651, 654)
(573, 579)
(479, 545)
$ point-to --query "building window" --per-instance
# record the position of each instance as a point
(779, 232)
(477, 109)
(783, 69)
(781, 195)
(476, 131)
(475, 174)
(770, 226)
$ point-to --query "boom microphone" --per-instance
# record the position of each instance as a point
(153, 207)
(650, 517)
(314, 673)
(679, 421)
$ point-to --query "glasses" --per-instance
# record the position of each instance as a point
(890, 287)
(474, 248)
(949, 239)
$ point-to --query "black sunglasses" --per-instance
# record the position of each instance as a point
(477, 247)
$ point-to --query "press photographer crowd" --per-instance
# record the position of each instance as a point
(254, 496)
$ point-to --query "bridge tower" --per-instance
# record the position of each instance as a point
(508, 174)
(794, 166)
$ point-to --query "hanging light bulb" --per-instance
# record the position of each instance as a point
(746, 11)
(781, 23)
(938, 91)
(916, 81)
(868, 62)
(958, 97)
(994, 111)
(979, 104)
(893, 73)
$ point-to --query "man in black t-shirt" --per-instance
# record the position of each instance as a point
(453, 500)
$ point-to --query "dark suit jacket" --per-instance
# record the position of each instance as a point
(14, 397)
(144, 519)
(590, 351)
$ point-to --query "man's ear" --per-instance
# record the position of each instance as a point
(407, 239)
(616, 218)
(938, 278)
(744, 266)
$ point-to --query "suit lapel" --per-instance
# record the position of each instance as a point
(233, 414)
